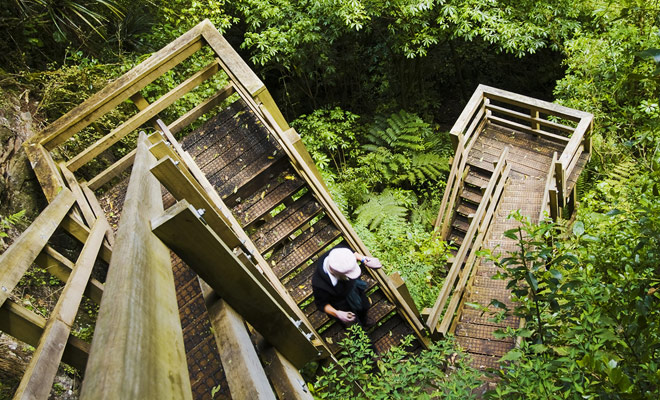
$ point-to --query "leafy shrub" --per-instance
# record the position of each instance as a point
(442, 371)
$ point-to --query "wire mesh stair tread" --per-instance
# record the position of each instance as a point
(479, 331)
(475, 316)
(263, 201)
(285, 223)
(521, 165)
(484, 346)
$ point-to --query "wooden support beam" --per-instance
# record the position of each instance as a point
(16, 260)
(141, 103)
(60, 267)
(245, 375)
(137, 350)
(40, 372)
(182, 229)
(26, 326)
(99, 212)
(72, 182)
(231, 62)
(80, 231)
(143, 116)
(181, 187)
(121, 89)
(400, 286)
(45, 169)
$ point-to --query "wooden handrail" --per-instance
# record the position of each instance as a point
(448, 284)
(493, 202)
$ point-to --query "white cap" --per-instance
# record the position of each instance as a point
(341, 261)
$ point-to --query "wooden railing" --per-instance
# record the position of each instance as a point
(540, 118)
(464, 134)
(463, 262)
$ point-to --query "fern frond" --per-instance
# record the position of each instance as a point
(379, 208)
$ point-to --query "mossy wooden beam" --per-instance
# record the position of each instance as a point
(40, 372)
(137, 350)
(245, 374)
(182, 229)
(16, 260)
(26, 326)
(143, 116)
(121, 89)
(45, 169)
(112, 171)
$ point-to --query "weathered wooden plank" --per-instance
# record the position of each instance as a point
(98, 212)
(231, 62)
(402, 288)
(40, 372)
(16, 260)
(143, 116)
(470, 108)
(182, 230)
(44, 168)
(245, 375)
(286, 379)
(81, 200)
(202, 108)
(182, 188)
(26, 326)
(527, 102)
(121, 89)
(137, 349)
(59, 266)
(536, 121)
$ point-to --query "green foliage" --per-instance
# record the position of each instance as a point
(389, 205)
(400, 152)
(440, 372)
(590, 300)
(9, 221)
(330, 134)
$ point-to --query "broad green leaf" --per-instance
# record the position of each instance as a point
(512, 355)
(578, 228)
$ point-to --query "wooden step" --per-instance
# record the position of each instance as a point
(460, 223)
(471, 194)
(484, 346)
(474, 316)
(224, 157)
(258, 205)
(482, 362)
(478, 331)
(456, 237)
(285, 223)
(392, 338)
(305, 246)
(467, 208)
(477, 180)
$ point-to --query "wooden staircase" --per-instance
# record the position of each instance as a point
(542, 161)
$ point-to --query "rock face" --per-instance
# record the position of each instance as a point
(19, 188)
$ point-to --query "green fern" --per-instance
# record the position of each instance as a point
(400, 150)
(384, 206)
